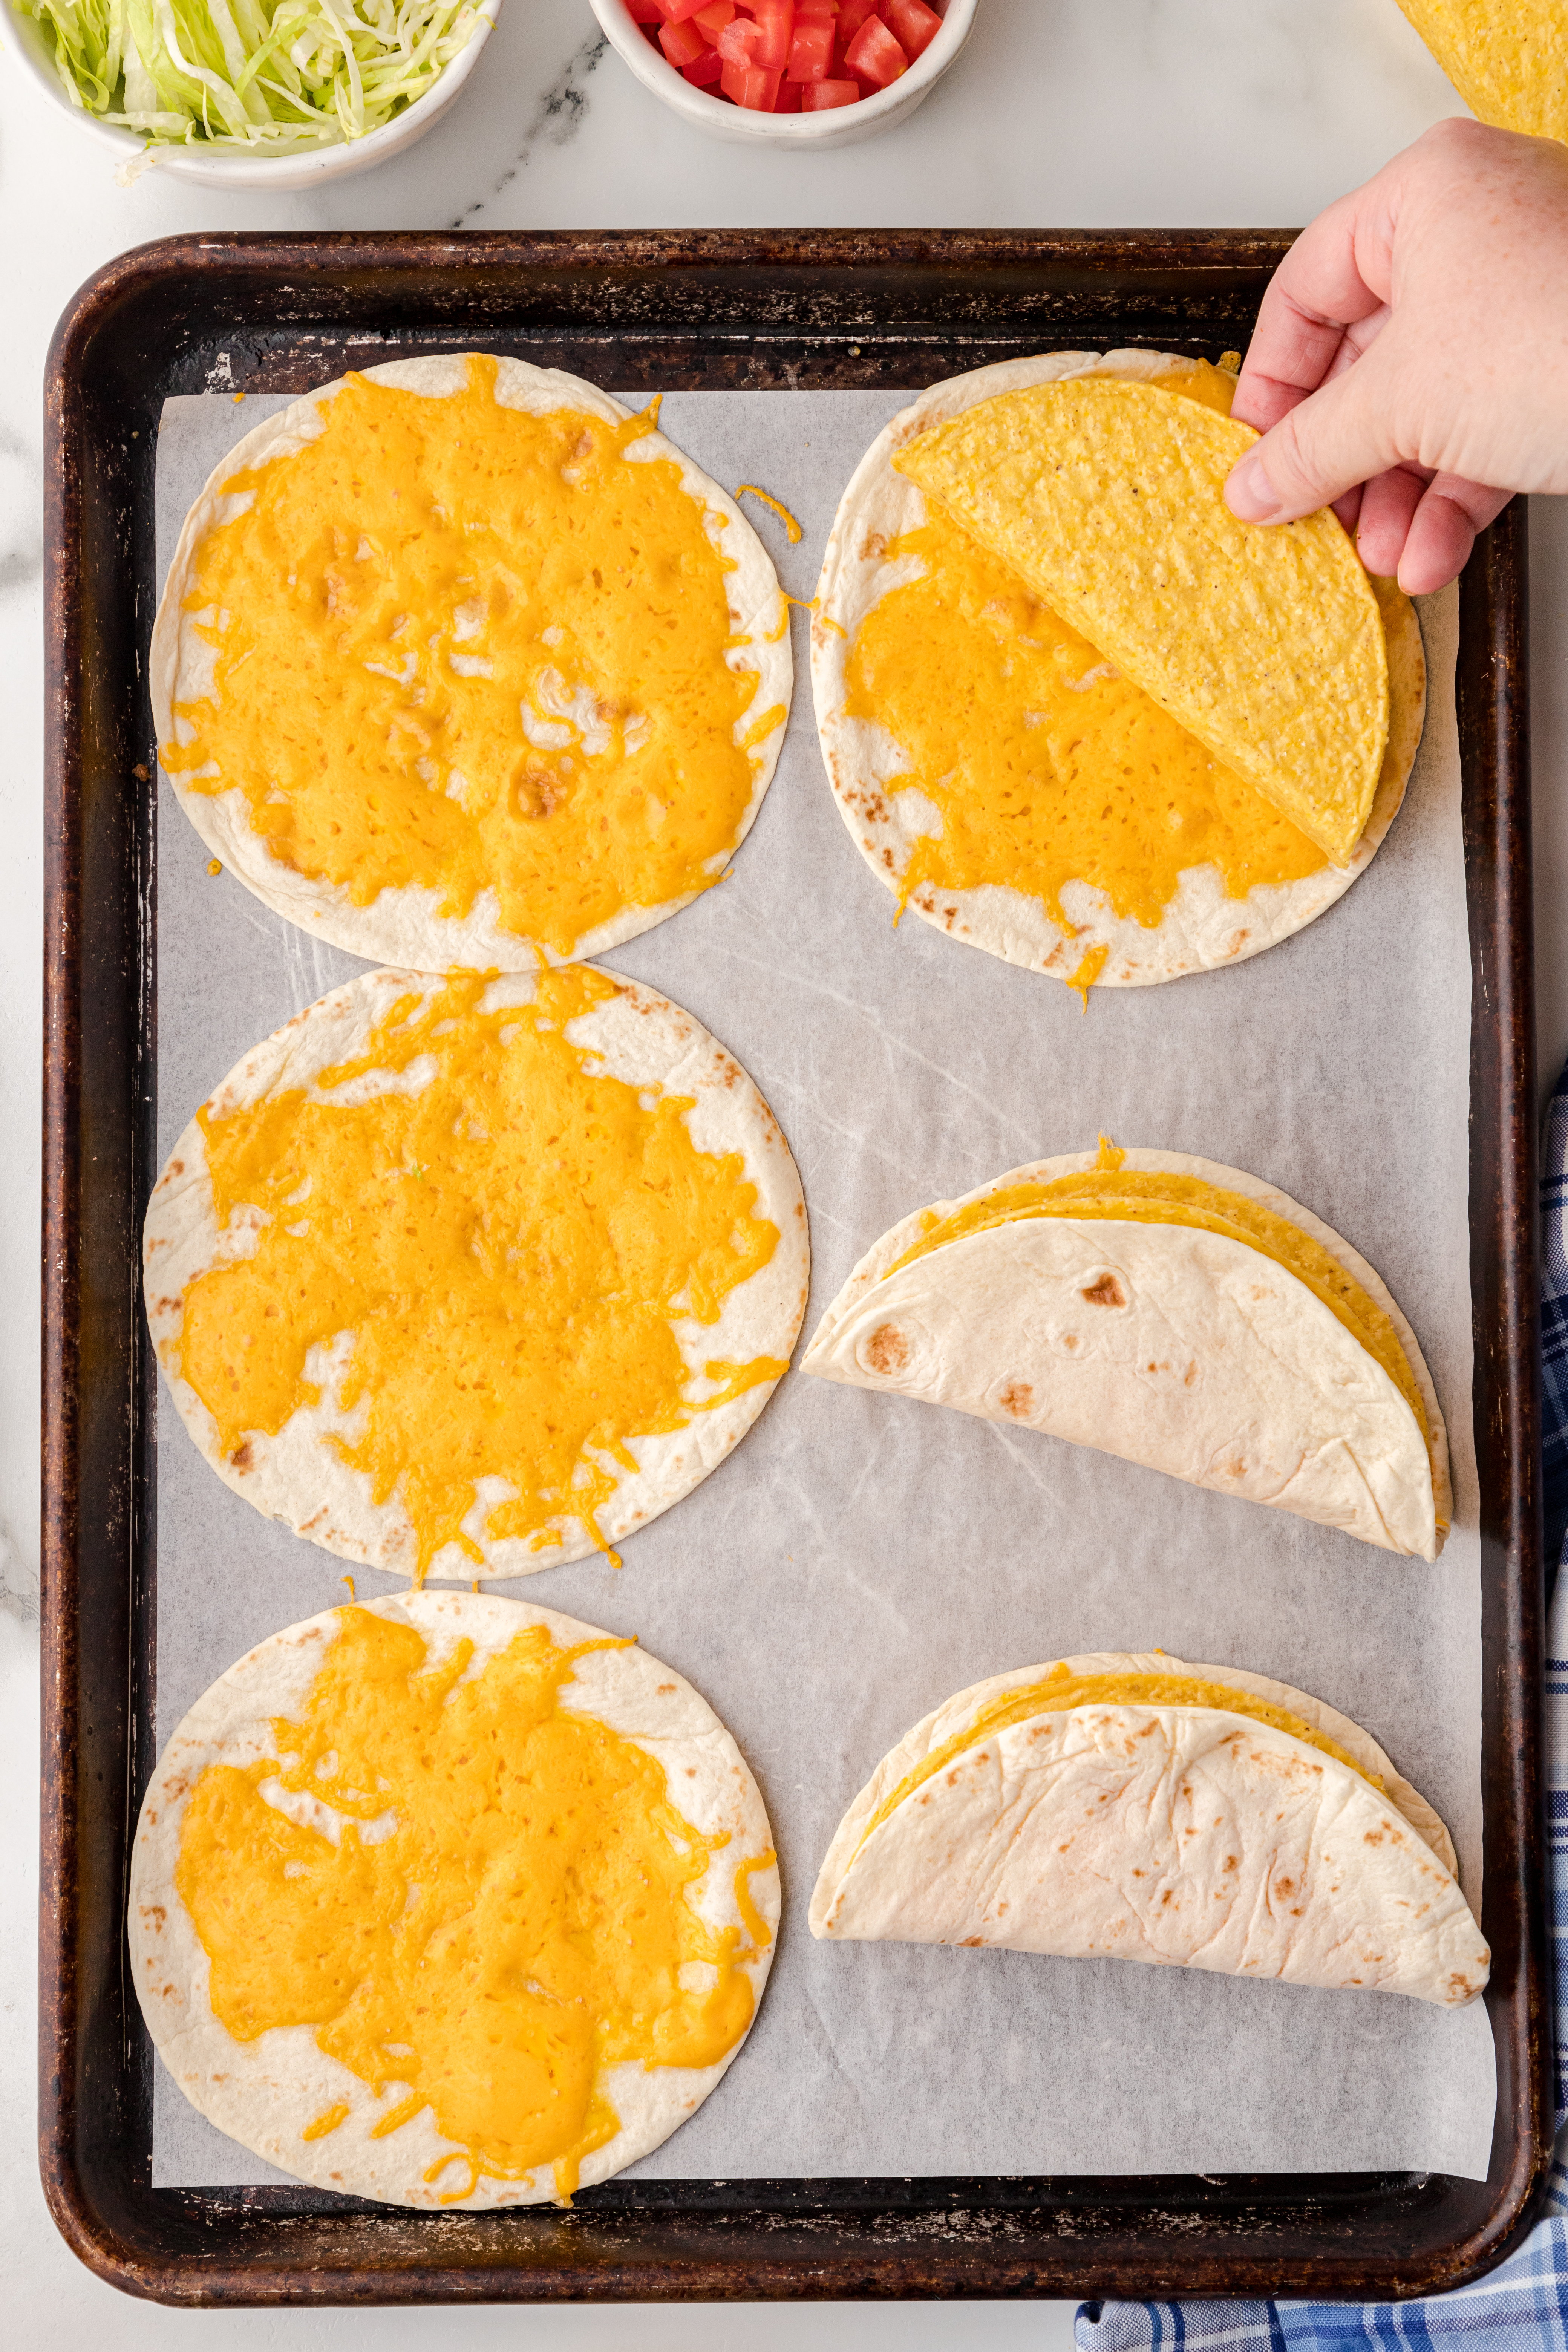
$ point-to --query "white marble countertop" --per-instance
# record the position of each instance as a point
(1060, 113)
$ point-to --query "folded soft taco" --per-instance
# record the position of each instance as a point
(1129, 1806)
(1179, 1314)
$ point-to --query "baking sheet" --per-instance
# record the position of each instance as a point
(860, 1558)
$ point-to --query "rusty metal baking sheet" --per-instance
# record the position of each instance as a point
(128, 1604)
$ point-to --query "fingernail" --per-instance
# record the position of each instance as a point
(1250, 495)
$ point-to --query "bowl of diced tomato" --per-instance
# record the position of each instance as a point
(795, 73)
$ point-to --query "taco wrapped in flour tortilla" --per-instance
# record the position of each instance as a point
(1062, 802)
(461, 662)
(1127, 1807)
(473, 1275)
(450, 1901)
(1179, 1314)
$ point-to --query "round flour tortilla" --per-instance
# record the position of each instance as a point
(264, 2093)
(405, 926)
(1181, 1835)
(1201, 928)
(1283, 1406)
(299, 1476)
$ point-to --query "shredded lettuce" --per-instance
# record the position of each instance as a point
(270, 75)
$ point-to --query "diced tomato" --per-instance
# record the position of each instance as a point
(645, 12)
(739, 41)
(775, 19)
(811, 49)
(713, 16)
(814, 11)
(817, 96)
(750, 87)
(852, 14)
(788, 99)
(912, 24)
(706, 71)
(683, 45)
(874, 55)
(676, 11)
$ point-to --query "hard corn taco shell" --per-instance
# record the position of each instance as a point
(1203, 926)
(265, 2092)
(1107, 496)
(1184, 1835)
(1506, 59)
(1168, 1345)
(406, 925)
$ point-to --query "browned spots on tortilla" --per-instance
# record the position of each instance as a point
(887, 1350)
(665, 1689)
(969, 1944)
(241, 1458)
(1190, 1375)
(1237, 942)
(1105, 1292)
(1018, 1399)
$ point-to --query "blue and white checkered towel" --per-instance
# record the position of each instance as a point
(1522, 2303)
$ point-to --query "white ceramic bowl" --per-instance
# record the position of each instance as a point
(839, 127)
(232, 167)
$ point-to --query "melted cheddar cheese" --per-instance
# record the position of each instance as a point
(499, 1912)
(505, 1234)
(460, 647)
(1044, 764)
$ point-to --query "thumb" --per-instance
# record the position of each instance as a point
(1328, 443)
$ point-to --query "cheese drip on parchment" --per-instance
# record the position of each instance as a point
(508, 1236)
(459, 646)
(501, 1912)
(1046, 765)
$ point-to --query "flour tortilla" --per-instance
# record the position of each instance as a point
(1091, 1832)
(405, 925)
(299, 1476)
(263, 2093)
(1221, 1368)
(1201, 929)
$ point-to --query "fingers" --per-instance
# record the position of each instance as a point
(1443, 530)
(1388, 504)
(1331, 441)
(1334, 277)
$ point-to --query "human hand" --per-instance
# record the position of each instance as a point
(1410, 363)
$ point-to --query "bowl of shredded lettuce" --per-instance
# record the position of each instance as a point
(252, 93)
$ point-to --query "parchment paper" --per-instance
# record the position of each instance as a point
(860, 1558)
